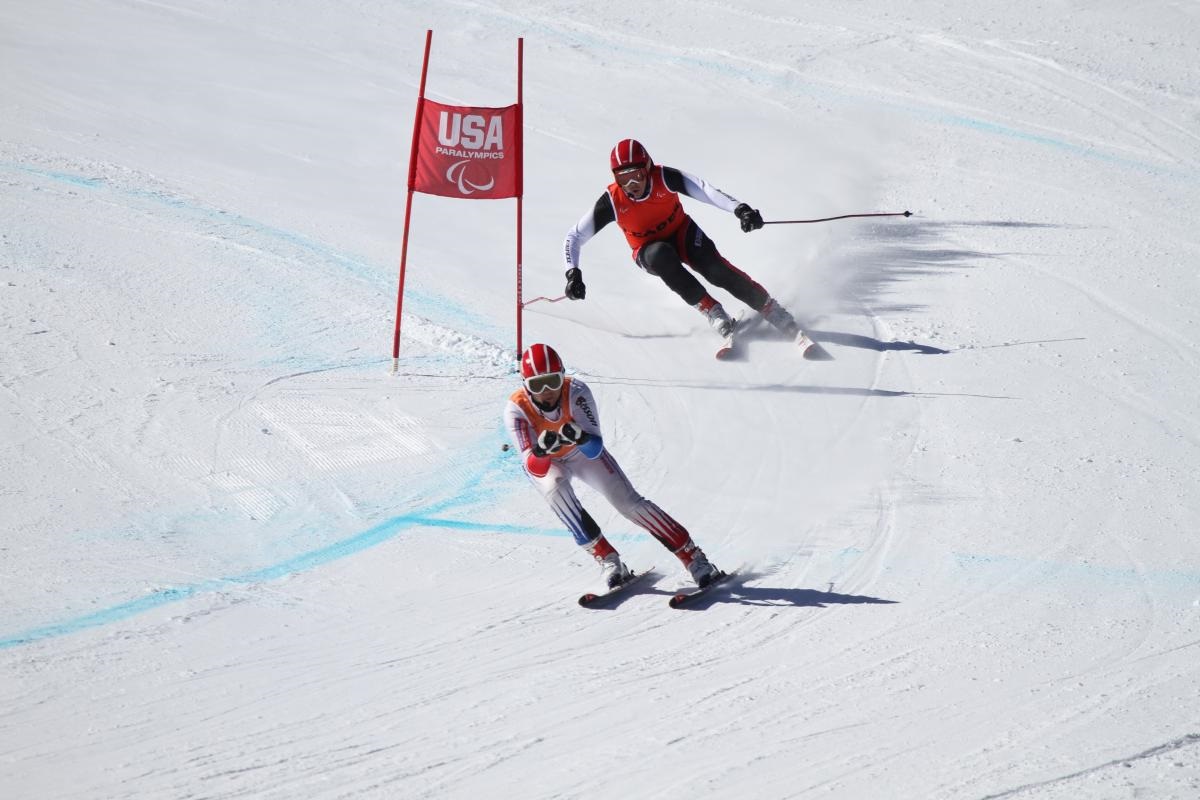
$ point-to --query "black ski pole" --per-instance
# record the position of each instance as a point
(843, 216)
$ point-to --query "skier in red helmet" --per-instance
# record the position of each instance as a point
(553, 423)
(643, 200)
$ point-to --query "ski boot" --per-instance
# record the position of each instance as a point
(720, 321)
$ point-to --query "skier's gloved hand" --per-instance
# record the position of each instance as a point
(749, 217)
(575, 288)
(547, 442)
(572, 433)
(537, 465)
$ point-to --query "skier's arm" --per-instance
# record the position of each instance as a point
(536, 462)
(590, 444)
(699, 189)
(584, 429)
(587, 227)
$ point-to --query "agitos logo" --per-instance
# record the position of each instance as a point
(457, 174)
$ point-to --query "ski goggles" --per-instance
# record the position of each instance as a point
(635, 172)
(540, 383)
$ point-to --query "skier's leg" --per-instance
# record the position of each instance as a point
(555, 487)
(662, 259)
(605, 475)
(703, 256)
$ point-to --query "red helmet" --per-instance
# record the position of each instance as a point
(540, 359)
(629, 153)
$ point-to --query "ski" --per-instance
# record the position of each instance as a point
(682, 599)
(593, 599)
(810, 350)
(728, 344)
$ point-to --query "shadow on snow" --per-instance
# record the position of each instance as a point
(734, 591)
(739, 594)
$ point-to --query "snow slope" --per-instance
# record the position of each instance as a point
(241, 559)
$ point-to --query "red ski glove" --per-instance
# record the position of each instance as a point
(536, 465)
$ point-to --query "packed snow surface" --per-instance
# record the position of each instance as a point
(241, 558)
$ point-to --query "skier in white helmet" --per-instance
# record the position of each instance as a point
(553, 423)
(643, 200)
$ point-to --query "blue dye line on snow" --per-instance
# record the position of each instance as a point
(303, 562)
(783, 78)
(476, 490)
(472, 493)
(369, 273)
(362, 270)
(978, 564)
(1112, 576)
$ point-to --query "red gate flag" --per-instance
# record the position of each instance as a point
(468, 152)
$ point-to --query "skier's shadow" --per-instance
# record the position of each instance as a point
(848, 340)
(736, 592)
(870, 343)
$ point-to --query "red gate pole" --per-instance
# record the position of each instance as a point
(412, 176)
(520, 179)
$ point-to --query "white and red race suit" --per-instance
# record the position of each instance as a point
(525, 421)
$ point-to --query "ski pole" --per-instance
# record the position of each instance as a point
(843, 216)
(546, 299)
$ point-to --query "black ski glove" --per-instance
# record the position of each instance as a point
(750, 218)
(572, 433)
(575, 288)
(547, 443)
